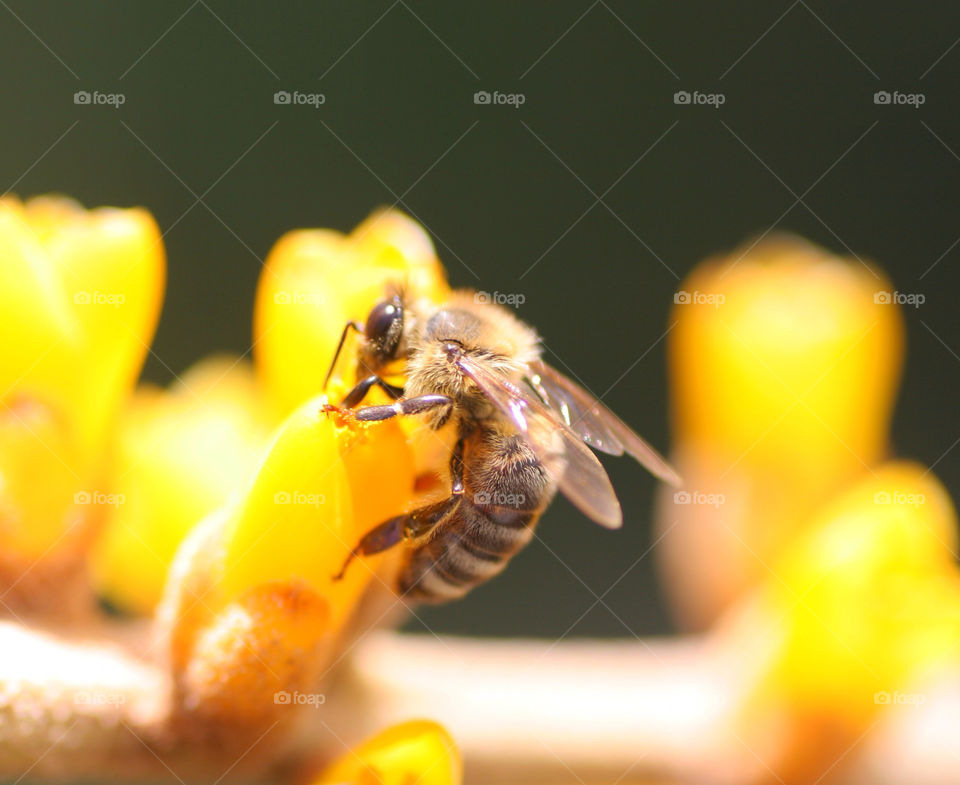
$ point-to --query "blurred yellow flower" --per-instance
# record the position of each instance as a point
(83, 290)
(179, 454)
(873, 593)
(81, 293)
(836, 568)
(784, 363)
(856, 614)
(417, 751)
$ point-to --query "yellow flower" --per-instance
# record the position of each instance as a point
(80, 292)
(418, 751)
(252, 604)
(784, 363)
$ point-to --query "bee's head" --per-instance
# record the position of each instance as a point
(383, 333)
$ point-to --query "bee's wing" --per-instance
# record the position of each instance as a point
(594, 422)
(592, 429)
(570, 464)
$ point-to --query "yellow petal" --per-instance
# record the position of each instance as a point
(315, 280)
(111, 262)
(82, 291)
(416, 751)
(296, 518)
(389, 238)
(180, 453)
(321, 487)
(298, 315)
(35, 310)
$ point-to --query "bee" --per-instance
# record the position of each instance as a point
(522, 431)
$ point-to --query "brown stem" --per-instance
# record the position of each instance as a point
(521, 711)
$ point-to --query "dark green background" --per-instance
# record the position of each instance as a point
(598, 79)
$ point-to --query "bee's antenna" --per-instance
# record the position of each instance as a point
(336, 356)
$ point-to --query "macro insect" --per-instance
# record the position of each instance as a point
(522, 433)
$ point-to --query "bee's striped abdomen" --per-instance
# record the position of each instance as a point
(506, 489)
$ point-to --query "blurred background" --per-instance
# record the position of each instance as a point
(590, 191)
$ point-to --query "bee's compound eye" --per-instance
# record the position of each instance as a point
(384, 325)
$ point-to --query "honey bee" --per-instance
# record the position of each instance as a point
(522, 432)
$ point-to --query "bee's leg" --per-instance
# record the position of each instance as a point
(413, 525)
(384, 536)
(404, 406)
(359, 392)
